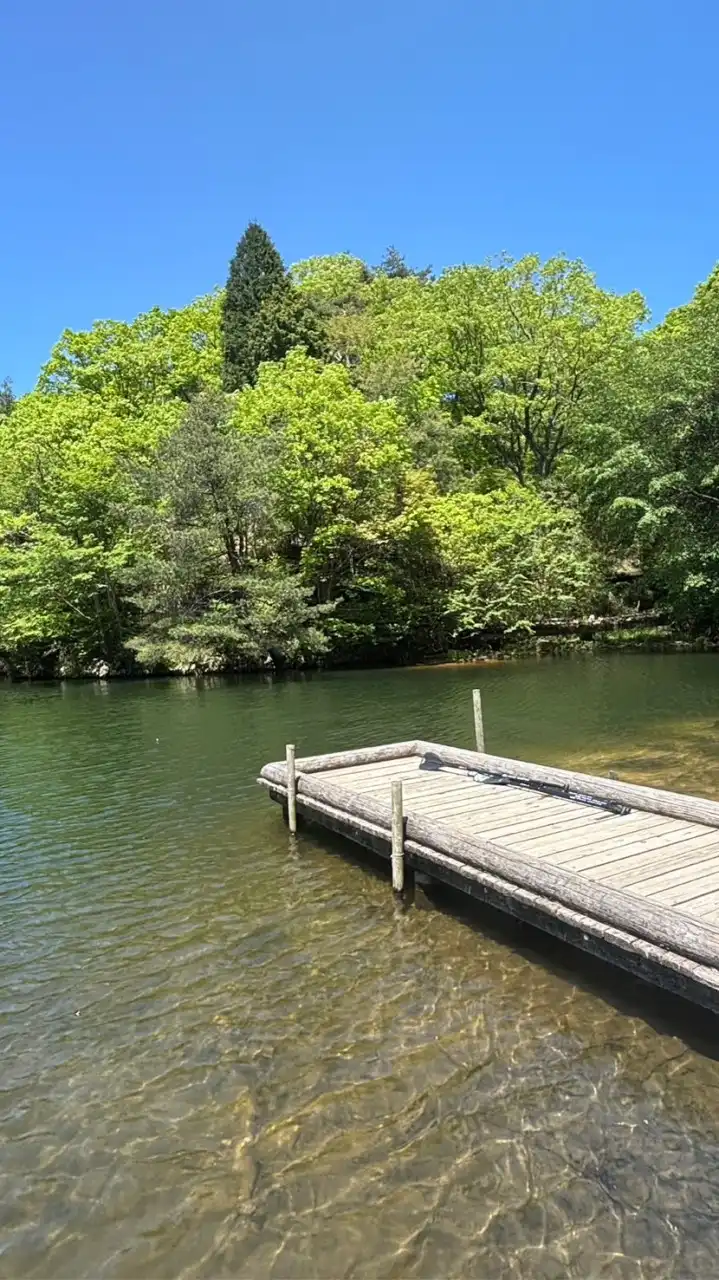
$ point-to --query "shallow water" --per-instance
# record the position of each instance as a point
(226, 1054)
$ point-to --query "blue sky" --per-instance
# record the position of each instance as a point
(139, 138)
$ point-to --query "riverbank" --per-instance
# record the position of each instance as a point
(621, 640)
(625, 635)
(581, 639)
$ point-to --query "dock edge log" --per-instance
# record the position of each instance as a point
(650, 799)
(351, 759)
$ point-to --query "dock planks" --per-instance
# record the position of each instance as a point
(639, 887)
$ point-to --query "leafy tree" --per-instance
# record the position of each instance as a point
(650, 481)
(337, 285)
(339, 456)
(160, 356)
(402, 463)
(518, 352)
(513, 560)
(335, 280)
(208, 588)
(59, 608)
(388, 579)
(256, 273)
(63, 461)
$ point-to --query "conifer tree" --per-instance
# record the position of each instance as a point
(256, 273)
(285, 320)
(7, 397)
(395, 267)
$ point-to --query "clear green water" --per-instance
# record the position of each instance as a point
(222, 1054)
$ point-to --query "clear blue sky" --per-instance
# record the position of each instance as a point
(139, 138)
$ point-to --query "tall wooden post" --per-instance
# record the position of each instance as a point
(291, 790)
(397, 838)
(478, 721)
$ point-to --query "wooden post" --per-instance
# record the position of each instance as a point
(397, 838)
(291, 790)
(478, 722)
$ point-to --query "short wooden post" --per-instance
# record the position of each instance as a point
(478, 721)
(291, 789)
(397, 838)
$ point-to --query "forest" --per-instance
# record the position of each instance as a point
(344, 463)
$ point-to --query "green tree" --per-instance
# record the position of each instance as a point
(395, 267)
(339, 456)
(60, 612)
(256, 272)
(387, 577)
(158, 357)
(7, 397)
(285, 320)
(649, 481)
(513, 560)
(401, 463)
(517, 353)
(337, 286)
(63, 475)
(105, 398)
(209, 590)
(335, 280)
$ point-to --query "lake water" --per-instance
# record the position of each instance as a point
(225, 1054)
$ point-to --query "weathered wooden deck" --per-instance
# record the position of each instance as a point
(629, 873)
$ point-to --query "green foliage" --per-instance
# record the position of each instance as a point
(7, 397)
(679, 521)
(285, 320)
(105, 399)
(398, 465)
(339, 456)
(637, 638)
(59, 611)
(256, 273)
(648, 478)
(160, 356)
(395, 267)
(386, 575)
(203, 526)
(517, 353)
(333, 280)
(62, 460)
(338, 286)
(514, 560)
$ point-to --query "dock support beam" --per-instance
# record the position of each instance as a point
(478, 721)
(291, 790)
(397, 838)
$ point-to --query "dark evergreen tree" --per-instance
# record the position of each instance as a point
(393, 265)
(256, 272)
(7, 397)
(285, 320)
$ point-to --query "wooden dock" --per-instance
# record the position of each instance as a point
(628, 873)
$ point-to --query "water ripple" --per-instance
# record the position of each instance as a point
(228, 1054)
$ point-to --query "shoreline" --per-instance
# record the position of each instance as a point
(639, 639)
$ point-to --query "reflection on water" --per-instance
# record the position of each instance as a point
(229, 1054)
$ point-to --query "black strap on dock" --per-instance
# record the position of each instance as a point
(561, 791)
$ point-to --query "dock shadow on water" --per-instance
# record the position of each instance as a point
(226, 1053)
